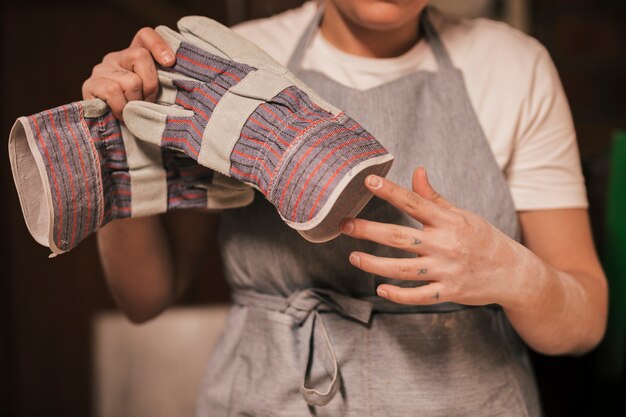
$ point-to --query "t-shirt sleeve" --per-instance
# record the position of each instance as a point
(545, 171)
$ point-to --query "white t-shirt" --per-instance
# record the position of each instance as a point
(511, 81)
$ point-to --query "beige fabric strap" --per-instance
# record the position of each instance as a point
(148, 179)
(226, 192)
(31, 182)
(232, 112)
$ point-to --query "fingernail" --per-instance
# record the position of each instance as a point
(167, 57)
(355, 260)
(347, 226)
(374, 182)
(381, 293)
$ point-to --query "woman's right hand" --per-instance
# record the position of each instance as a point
(130, 74)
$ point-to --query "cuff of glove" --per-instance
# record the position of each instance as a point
(55, 169)
(74, 167)
(318, 180)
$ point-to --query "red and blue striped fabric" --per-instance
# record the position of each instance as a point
(302, 153)
(186, 181)
(75, 166)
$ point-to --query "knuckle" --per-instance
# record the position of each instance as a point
(149, 40)
(151, 87)
(111, 56)
(133, 82)
(397, 297)
(86, 89)
(407, 298)
(111, 89)
(144, 33)
(98, 68)
(411, 200)
(397, 237)
(139, 54)
(424, 297)
(463, 222)
(457, 221)
(403, 269)
(467, 221)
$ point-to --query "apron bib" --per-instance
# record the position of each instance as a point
(307, 335)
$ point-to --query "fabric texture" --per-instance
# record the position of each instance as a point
(510, 79)
(232, 108)
(300, 306)
(77, 168)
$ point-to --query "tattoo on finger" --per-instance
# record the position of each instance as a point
(422, 271)
(436, 296)
(416, 241)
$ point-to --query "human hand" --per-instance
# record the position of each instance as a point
(129, 74)
(462, 258)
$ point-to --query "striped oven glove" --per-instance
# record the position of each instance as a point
(231, 107)
(76, 168)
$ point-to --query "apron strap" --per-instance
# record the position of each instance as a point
(434, 41)
(312, 396)
(295, 61)
(430, 34)
(305, 306)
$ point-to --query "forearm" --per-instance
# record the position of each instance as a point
(558, 312)
(138, 265)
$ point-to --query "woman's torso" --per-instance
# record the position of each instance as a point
(458, 361)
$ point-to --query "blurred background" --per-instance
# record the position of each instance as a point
(64, 351)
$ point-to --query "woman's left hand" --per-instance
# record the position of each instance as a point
(462, 257)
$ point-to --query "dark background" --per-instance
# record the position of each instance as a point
(46, 306)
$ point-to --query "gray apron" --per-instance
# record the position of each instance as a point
(308, 337)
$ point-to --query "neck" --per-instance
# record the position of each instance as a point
(346, 36)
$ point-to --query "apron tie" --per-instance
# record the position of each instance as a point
(305, 306)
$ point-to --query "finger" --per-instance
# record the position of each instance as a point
(147, 72)
(422, 186)
(135, 69)
(401, 237)
(408, 269)
(432, 293)
(108, 91)
(416, 206)
(129, 82)
(159, 49)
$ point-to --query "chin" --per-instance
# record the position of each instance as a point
(380, 14)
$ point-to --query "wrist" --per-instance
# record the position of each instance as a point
(529, 279)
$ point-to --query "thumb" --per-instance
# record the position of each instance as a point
(422, 186)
